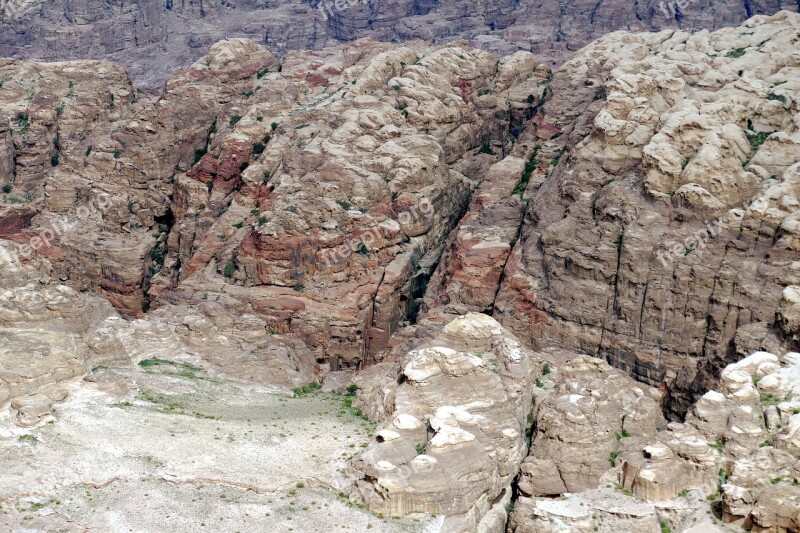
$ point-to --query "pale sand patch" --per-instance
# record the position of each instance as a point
(187, 450)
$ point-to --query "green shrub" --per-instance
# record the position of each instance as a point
(234, 119)
(230, 268)
(486, 149)
(29, 439)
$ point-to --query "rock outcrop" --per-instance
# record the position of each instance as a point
(663, 239)
(154, 39)
(737, 445)
(456, 431)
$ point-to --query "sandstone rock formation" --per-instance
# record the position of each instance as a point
(736, 445)
(455, 434)
(663, 239)
(156, 38)
(210, 192)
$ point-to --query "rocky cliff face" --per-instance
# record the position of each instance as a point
(663, 237)
(153, 39)
(282, 220)
(307, 192)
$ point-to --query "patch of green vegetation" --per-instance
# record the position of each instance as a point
(624, 434)
(665, 527)
(299, 287)
(7, 188)
(23, 120)
(233, 120)
(768, 399)
(558, 155)
(757, 139)
(486, 149)
(258, 149)
(684, 493)
(305, 390)
(352, 390)
(157, 361)
(719, 445)
(546, 369)
(776, 480)
(622, 489)
(262, 220)
(263, 72)
(88, 150)
(344, 204)
(420, 448)
(612, 458)
(229, 269)
(600, 93)
(273, 126)
(736, 52)
(778, 97)
(539, 383)
(293, 209)
(98, 368)
(530, 166)
(362, 249)
(29, 439)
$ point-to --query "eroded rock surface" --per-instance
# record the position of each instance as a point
(455, 434)
(664, 238)
(156, 38)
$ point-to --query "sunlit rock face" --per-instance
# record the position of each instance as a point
(665, 236)
(454, 436)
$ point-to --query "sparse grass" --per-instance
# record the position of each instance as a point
(612, 458)
(28, 439)
(719, 446)
(539, 383)
(665, 527)
(623, 490)
(156, 361)
(757, 139)
(624, 434)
